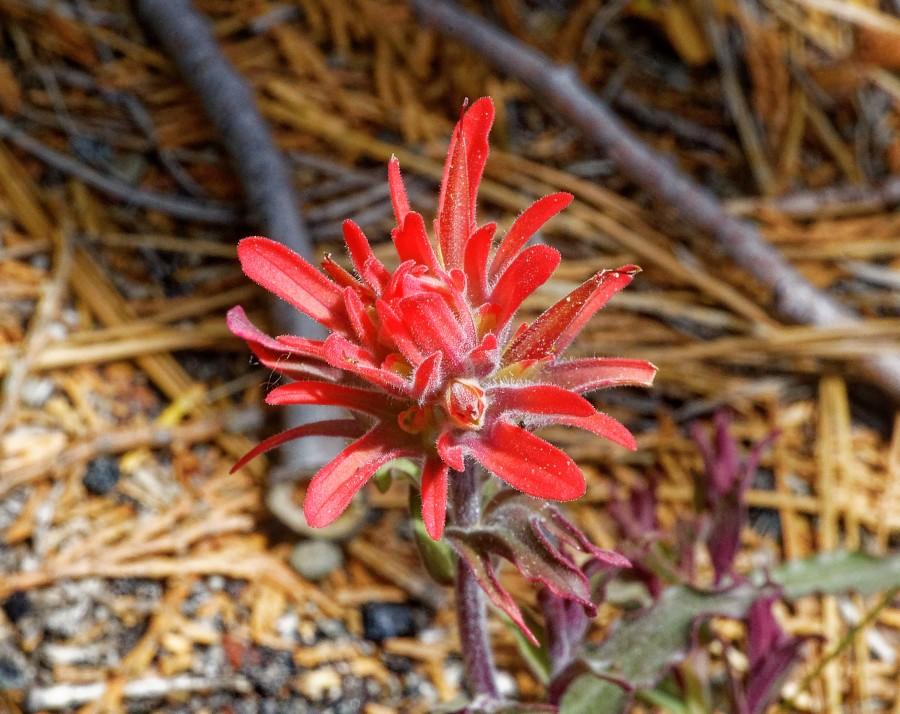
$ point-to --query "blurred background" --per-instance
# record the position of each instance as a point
(137, 575)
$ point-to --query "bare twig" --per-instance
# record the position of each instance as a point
(683, 128)
(796, 298)
(186, 209)
(187, 37)
(831, 202)
(65, 696)
(735, 99)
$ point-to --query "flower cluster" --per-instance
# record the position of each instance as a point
(426, 357)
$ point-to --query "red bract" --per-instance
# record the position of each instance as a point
(425, 356)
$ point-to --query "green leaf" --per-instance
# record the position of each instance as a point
(642, 649)
(398, 467)
(592, 694)
(437, 556)
(383, 479)
(463, 705)
(536, 657)
(663, 700)
(837, 572)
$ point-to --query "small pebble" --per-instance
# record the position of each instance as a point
(506, 683)
(331, 629)
(382, 620)
(314, 559)
(102, 475)
(320, 684)
(17, 605)
(36, 391)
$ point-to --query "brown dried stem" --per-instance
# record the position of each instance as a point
(189, 209)
(796, 299)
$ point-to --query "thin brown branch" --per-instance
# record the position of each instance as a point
(187, 37)
(735, 99)
(183, 208)
(796, 299)
(831, 202)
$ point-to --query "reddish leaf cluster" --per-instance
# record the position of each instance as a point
(540, 542)
(426, 357)
(722, 489)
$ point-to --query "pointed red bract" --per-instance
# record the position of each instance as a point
(601, 425)
(282, 272)
(527, 463)
(475, 127)
(411, 242)
(586, 375)
(343, 354)
(475, 262)
(394, 329)
(525, 226)
(367, 265)
(331, 427)
(555, 329)
(543, 399)
(452, 453)
(434, 495)
(428, 376)
(360, 319)
(333, 395)
(399, 200)
(336, 483)
(300, 360)
(454, 219)
(530, 269)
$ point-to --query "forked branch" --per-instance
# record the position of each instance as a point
(559, 88)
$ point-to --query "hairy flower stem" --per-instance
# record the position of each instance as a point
(471, 610)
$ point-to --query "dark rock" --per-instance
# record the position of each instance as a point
(17, 605)
(13, 673)
(397, 664)
(387, 619)
(102, 475)
(766, 522)
(128, 637)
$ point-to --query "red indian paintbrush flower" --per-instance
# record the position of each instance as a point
(425, 357)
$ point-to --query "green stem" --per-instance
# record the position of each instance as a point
(842, 644)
